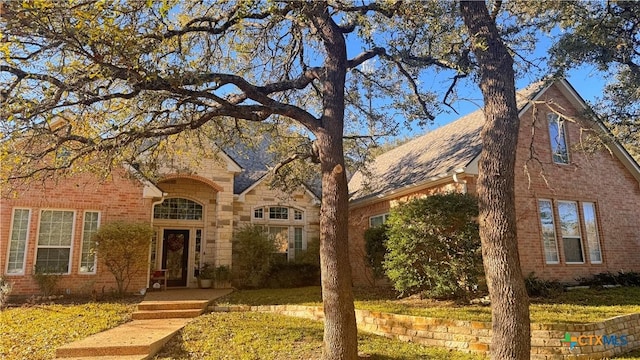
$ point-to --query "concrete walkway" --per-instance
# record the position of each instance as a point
(159, 316)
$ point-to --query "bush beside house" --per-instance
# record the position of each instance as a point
(434, 246)
(123, 248)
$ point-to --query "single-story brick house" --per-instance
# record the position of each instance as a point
(577, 211)
(194, 214)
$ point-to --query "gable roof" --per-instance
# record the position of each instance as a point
(453, 149)
(448, 150)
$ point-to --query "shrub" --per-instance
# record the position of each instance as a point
(47, 279)
(290, 275)
(5, 291)
(311, 255)
(124, 249)
(252, 249)
(434, 246)
(375, 239)
(542, 288)
(609, 278)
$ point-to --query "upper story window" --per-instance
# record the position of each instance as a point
(258, 213)
(178, 209)
(297, 215)
(377, 220)
(558, 137)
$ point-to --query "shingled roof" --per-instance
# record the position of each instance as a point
(434, 155)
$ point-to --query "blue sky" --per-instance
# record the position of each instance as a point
(587, 80)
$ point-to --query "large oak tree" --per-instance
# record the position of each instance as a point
(89, 84)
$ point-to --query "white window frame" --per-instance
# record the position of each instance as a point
(255, 212)
(278, 207)
(73, 230)
(562, 130)
(82, 243)
(11, 240)
(384, 217)
(297, 212)
(592, 242)
(555, 236)
(580, 237)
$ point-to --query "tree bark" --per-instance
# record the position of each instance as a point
(509, 300)
(340, 331)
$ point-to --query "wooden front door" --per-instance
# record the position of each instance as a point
(175, 256)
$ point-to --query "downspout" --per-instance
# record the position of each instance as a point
(459, 181)
(153, 206)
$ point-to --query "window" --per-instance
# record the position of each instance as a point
(198, 257)
(280, 235)
(570, 229)
(88, 255)
(284, 225)
(378, 220)
(591, 231)
(558, 139)
(178, 209)
(18, 241)
(548, 232)
(278, 213)
(297, 240)
(54, 241)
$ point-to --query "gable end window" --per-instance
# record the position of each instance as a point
(558, 138)
(18, 241)
(55, 239)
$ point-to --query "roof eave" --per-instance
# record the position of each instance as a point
(432, 181)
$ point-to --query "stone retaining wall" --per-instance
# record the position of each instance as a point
(608, 338)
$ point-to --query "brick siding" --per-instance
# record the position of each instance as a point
(597, 177)
(117, 197)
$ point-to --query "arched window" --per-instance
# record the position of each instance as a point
(178, 209)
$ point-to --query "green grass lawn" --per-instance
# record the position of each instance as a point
(260, 336)
(35, 332)
(576, 306)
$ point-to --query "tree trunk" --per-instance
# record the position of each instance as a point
(340, 331)
(510, 303)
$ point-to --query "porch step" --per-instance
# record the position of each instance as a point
(172, 305)
(136, 338)
(166, 314)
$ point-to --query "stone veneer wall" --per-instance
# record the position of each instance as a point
(547, 340)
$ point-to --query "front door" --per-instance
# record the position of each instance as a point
(175, 255)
